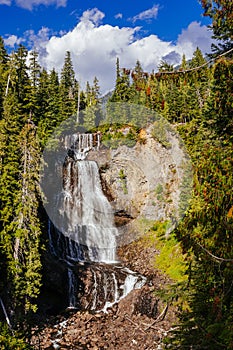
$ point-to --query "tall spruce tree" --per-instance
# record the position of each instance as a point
(3, 73)
(123, 90)
(26, 264)
(17, 182)
(220, 12)
(34, 74)
(92, 113)
(68, 88)
(220, 103)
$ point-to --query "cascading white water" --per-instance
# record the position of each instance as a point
(82, 144)
(87, 231)
(132, 281)
(88, 214)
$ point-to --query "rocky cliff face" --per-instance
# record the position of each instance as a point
(144, 183)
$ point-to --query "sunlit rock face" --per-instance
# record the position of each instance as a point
(145, 183)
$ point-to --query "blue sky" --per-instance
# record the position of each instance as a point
(96, 32)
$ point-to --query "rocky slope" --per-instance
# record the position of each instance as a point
(139, 321)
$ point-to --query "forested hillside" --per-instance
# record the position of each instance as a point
(197, 98)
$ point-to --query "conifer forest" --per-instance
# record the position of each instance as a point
(196, 98)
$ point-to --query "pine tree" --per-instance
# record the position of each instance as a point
(11, 125)
(4, 73)
(68, 88)
(26, 264)
(165, 67)
(220, 12)
(123, 90)
(139, 94)
(184, 64)
(220, 103)
(199, 80)
(50, 104)
(12, 187)
(205, 232)
(92, 113)
(23, 85)
(34, 73)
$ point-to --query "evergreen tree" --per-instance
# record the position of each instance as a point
(50, 104)
(92, 113)
(220, 106)
(139, 94)
(165, 67)
(4, 73)
(23, 85)
(11, 125)
(34, 73)
(205, 232)
(220, 12)
(201, 77)
(155, 92)
(16, 245)
(123, 90)
(184, 64)
(68, 89)
(26, 231)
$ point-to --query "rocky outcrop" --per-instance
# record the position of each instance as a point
(104, 285)
(144, 183)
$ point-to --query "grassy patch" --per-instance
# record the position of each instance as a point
(170, 260)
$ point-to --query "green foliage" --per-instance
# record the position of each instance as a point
(68, 88)
(160, 133)
(185, 188)
(220, 104)
(10, 341)
(206, 230)
(117, 135)
(123, 180)
(220, 12)
(123, 90)
(170, 259)
(159, 192)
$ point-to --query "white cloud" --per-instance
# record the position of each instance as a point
(93, 15)
(29, 4)
(38, 41)
(94, 48)
(194, 36)
(148, 14)
(12, 41)
(118, 16)
(5, 2)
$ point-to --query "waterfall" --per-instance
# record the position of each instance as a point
(87, 233)
(86, 212)
(80, 144)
